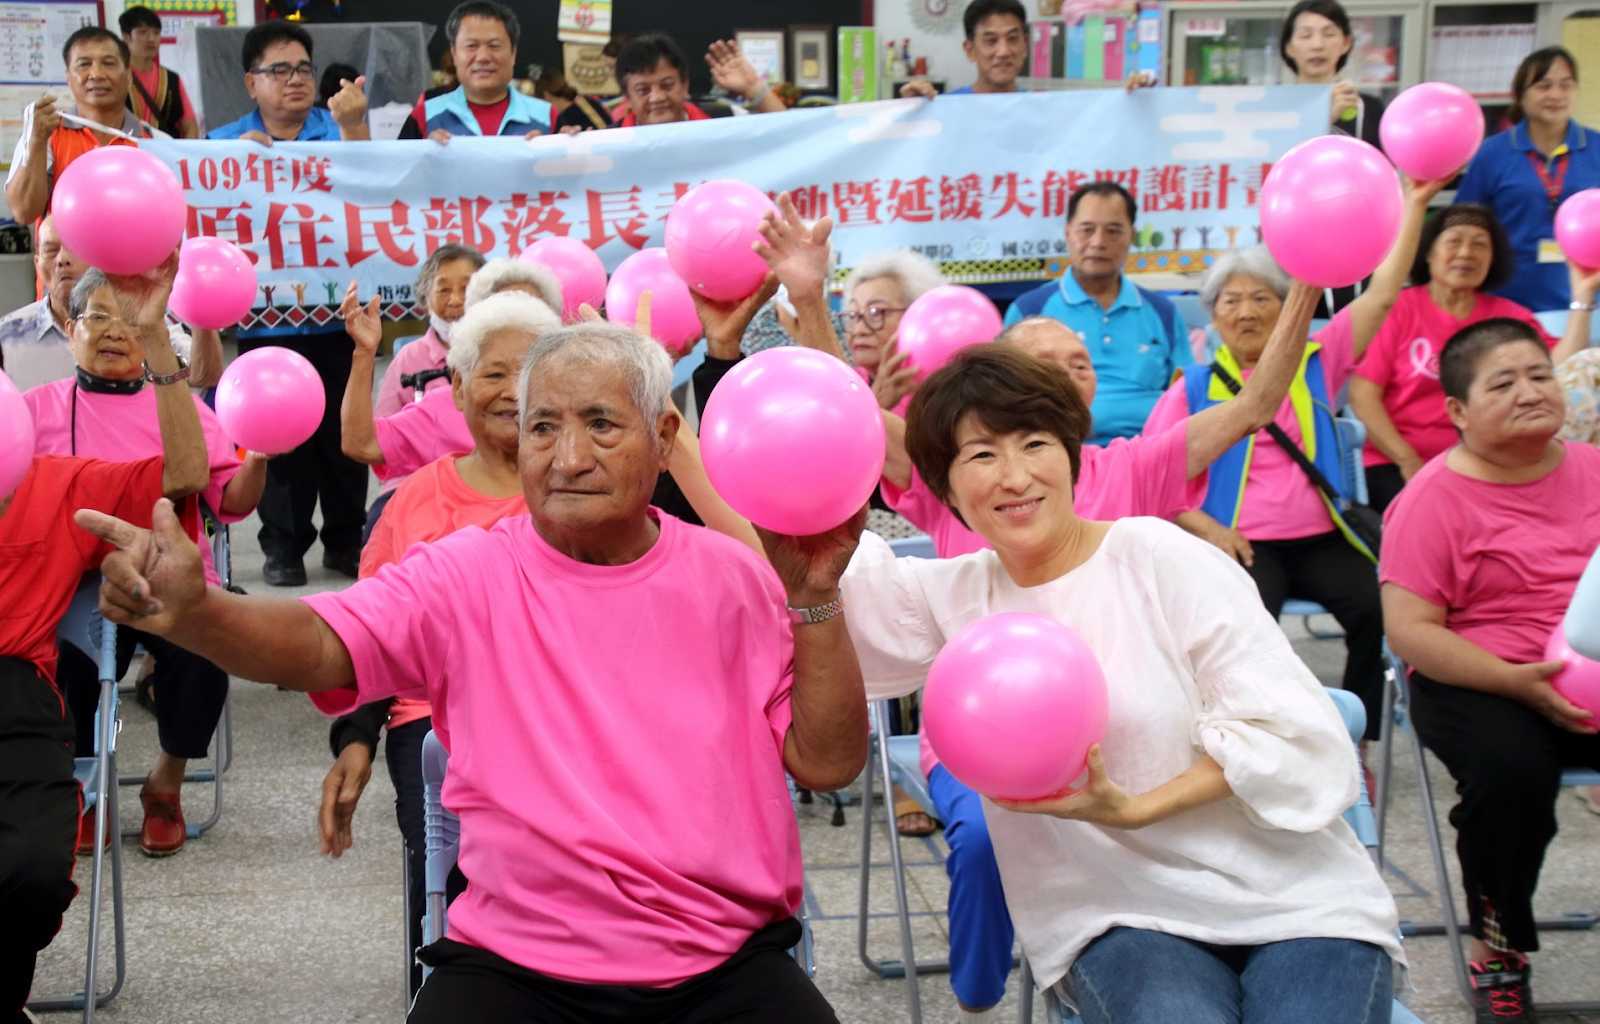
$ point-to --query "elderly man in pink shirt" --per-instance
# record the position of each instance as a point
(582, 661)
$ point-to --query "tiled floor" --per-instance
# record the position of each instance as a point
(250, 924)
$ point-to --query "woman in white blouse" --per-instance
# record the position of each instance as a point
(1203, 871)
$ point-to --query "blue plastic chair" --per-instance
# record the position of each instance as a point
(84, 628)
(1352, 438)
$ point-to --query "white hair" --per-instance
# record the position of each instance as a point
(497, 275)
(914, 272)
(508, 311)
(645, 366)
(1255, 262)
(1027, 324)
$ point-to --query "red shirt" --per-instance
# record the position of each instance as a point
(44, 555)
(690, 113)
(489, 115)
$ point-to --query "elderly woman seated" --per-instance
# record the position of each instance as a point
(109, 411)
(1482, 552)
(877, 294)
(1173, 885)
(581, 661)
(1395, 389)
(1261, 507)
(442, 285)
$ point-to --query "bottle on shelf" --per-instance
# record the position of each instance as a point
(896, 67)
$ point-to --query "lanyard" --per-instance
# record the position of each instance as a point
(1552, 176)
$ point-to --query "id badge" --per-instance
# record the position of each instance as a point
(1550, 251)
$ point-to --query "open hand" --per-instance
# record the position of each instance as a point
(341, 792)
(154, 576)
(362, 323)
(731, 69)
(798, 255)
(1099, 802)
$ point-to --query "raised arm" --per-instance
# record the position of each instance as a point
(799, 257)
(243, 493)
(1366, 398)
(186, 467)
(896, 460)
(1214, 431)
(28, 185)
(1368, 311)
(689, 473)
(358, 434)
(205, 358)
(1581, 315)
(153, 581)
(732, 70)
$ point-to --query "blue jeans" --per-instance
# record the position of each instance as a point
(1132, 976)
(980, 926)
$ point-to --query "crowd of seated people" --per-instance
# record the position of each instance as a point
(541, 480)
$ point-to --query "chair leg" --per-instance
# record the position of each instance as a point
(1385, 773)
(406, 952)
(1025, 994)
(1441, 870)
(908, 954)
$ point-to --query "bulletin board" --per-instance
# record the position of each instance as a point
(31, 37)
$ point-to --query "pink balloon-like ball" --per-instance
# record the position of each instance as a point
(1432, 130)
(120, 209)
(709, 238)
(1579, 682)
(216, 283)
(1578, 228)
(942, 322)
(1331, 210)
(673, 320)
(16, 437)
(793, 440)
(270, 400)
(1013, 703)
(576, 267)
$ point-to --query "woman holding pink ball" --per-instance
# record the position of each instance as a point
(1221, 753)
(1482, 552)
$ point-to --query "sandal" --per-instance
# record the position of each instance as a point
(911, 820)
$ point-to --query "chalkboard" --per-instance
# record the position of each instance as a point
(694, 25)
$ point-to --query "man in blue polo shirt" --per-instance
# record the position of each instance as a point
(997, 45)
(482, 36)
(282, 80)
(1135, 337)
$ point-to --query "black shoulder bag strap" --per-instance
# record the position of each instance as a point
(1290, 448)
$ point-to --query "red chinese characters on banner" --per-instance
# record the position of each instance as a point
(526, 219)
(388, 228)
(617, 215)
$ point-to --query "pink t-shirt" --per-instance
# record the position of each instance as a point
(616, 736)
(125, 428)
(418, 434)
(1131, 476)
(1138, 476)
(432, 503)
(1279, 502)
(1501, 559)
(426, 353)
(1403, 360)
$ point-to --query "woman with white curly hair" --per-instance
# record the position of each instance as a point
(509, 275)
(877, 294)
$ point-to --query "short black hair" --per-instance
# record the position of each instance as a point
(1009, 391)
(1102, 188)
(1534, 67)
(641, 54)
(482, 9)
(92, 34)
(1330, 9)
(1458, 362)
(329, 86)
(981, 9)
(1501, 262)
(270, 33)
(138, 16)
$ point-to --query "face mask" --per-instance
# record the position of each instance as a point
(441, 327)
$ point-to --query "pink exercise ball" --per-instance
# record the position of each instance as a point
(119, 209)
(1431, 130)
(1330, 210)
(793, 440)
(673, 320)
(1579, 682)
(216, 283)
(942, 322)
(270, 400)
(1578, 228)
(575, 265)
(710, 235)
(1013, 703)
(16, 438)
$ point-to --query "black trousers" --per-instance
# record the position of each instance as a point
(190, 693)
(39, 807)
(760, 984)
(1327, 570)
(1507, 761)
(1383, 485)
(318, 469)
(403, 751)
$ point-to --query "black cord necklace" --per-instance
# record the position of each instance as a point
(97, 385)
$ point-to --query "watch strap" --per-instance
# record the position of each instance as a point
(177, 377)
(816, 613)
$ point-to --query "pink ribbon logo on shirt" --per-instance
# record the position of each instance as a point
(1424, 360)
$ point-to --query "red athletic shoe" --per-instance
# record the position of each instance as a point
(164, 832)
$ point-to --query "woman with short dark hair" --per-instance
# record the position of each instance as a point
(1222, 754)
(1315, 43)
(1482, 552)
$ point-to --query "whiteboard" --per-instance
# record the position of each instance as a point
(31, 38)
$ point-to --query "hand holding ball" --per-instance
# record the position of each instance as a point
(270, 400)
(942, 322)
(1578, 228)
(1579, 682)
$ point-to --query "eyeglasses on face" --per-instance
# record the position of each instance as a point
(285, 72)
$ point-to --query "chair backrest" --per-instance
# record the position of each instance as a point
(1352, 442)
(920, 546)
(441, 828)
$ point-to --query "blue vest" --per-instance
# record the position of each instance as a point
(451, 112)
(1230, 473)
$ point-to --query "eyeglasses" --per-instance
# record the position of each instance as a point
(98, 321)
(285, 72)
(875, 316)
